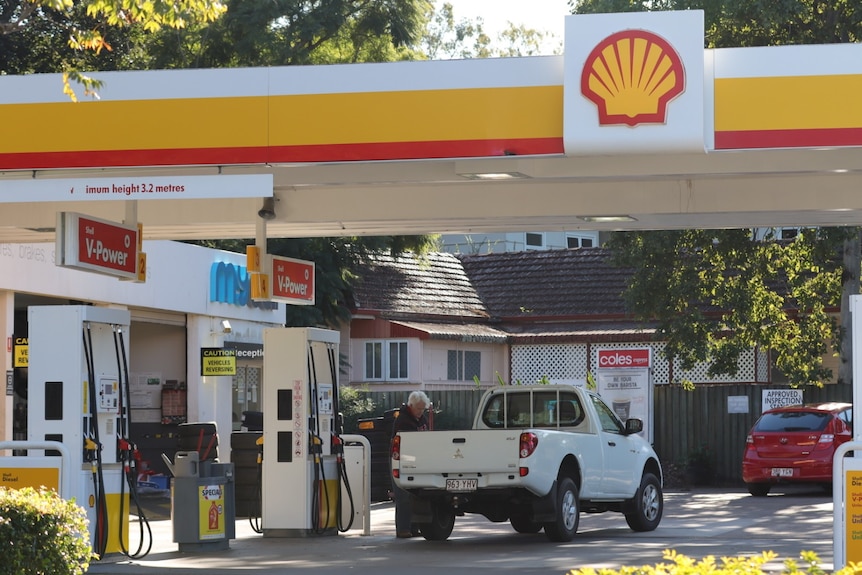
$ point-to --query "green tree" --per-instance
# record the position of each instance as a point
(689, 271)
(717, 293)
(449, 37)
(289, 32)
(83, 27)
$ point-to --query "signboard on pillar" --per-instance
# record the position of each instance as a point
(851, 528)
(292, 280)
(95, 245)
(623, 381)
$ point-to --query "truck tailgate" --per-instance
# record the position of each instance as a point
(452, 452)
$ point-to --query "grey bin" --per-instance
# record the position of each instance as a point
(202, 503)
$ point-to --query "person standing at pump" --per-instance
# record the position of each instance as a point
(410, 417)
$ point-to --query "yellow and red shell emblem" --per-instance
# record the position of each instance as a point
(632, 76)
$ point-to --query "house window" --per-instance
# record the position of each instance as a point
(392, 354)
(579, 241)
(534, 240)
(373, 360)
(463, 365)
(397, 360)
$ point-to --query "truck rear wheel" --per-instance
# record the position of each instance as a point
(564, 527)
(522, 524)
(647, 506)
(441, 525)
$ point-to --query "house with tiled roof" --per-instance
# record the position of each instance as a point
(435, 322)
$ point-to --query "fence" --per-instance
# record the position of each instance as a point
(683, 422)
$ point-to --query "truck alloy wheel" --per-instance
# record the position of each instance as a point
(647, 506)
(564, 527)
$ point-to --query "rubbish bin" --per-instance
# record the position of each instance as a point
(202, 503)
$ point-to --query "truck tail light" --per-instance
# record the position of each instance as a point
(528, 444)
(395, 449)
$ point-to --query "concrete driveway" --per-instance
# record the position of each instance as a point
(704, 521)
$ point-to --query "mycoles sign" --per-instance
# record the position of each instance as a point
(616, 358)
(96, 245)
(292, 281)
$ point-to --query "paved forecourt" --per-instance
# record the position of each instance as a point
(701, 522)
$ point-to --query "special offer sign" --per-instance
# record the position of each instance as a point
(96, 245)
(292, 281)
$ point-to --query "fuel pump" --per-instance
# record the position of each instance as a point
(77, 376)
(301, 484)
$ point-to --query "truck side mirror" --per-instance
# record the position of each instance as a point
(634, 426)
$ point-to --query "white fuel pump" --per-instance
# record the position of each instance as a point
(302, 471)
(77, 356)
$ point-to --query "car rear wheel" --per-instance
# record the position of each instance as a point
(758, 489)
(564, 527)
(647, 506)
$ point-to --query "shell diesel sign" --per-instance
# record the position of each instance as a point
(631, 77)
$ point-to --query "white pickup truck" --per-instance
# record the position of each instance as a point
(537, 456)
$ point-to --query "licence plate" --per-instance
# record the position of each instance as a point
(782, 472)
(462, 484)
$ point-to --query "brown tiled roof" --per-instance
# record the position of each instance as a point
(407, 285)
(574, 283)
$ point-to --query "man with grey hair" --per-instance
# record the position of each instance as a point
(410, 417)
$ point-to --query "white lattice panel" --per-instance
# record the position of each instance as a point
(746, 374)
(530, 363)
(762, 367)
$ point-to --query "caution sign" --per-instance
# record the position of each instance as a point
(21, 355)
(211, 512)
(218, 361)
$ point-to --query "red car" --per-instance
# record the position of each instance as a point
(795, 444)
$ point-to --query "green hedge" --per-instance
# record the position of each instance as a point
(42, 534)
(679, 564)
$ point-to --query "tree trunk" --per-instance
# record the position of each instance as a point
(852, 264)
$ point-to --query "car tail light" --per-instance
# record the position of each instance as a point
(528, 444)
(749, 439)
(826, 440)
(395, 449)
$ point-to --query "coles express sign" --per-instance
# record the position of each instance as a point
(617, 358)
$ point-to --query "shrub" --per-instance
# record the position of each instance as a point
(42, 534)
(680, 564)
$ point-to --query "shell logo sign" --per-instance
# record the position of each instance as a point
(631, 77)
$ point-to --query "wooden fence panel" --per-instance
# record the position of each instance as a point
(687, 420)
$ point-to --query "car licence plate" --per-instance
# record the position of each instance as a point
(462, 484)
(782, 472)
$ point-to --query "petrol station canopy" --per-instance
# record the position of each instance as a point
(635, 126)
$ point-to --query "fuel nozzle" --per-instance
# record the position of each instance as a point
(259, 444)
(337, 446)
(316, 447)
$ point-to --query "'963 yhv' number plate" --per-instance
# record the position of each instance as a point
(462, 484)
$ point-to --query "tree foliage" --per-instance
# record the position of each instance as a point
(84, 26)
(717, 293)
(449, 37)
(290, 32)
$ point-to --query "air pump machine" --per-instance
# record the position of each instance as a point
(77, 357)
(302, 471)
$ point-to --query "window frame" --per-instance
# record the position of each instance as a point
(384, 345)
